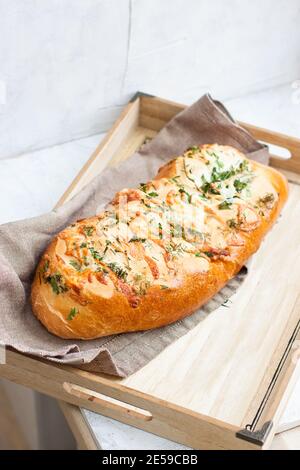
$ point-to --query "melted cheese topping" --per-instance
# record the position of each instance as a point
(169, 227)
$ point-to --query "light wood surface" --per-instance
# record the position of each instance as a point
(117, 138)
(281, 140)
(168, 420)
(209, 384)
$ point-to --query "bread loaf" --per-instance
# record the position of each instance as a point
(160, 251)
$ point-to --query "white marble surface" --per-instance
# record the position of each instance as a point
(277, 108)
(68, 66)
(291, 416)
(32, 184)
(113, 435)
(62, 63)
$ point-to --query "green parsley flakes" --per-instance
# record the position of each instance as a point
(57, 283)
(88, 230)
(120, 272)
(240, 185)
(225, 205)
(95, 254)
(75, 264)
(73, 312)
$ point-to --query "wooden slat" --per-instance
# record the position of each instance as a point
(276, 138)
(169, 420)
(156, 112)
(125, 125)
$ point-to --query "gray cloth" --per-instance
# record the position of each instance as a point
(22, 243)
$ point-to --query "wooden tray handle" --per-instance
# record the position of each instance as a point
(106, 402)
(154, 116)
(292, 144)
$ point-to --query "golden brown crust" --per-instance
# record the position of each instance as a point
(92, 303)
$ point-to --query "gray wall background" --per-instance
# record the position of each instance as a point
(68, 66)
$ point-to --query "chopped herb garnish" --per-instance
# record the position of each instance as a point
(160, 233)
(175, 178)
(209, 187)
(54, 284)
(244, 166)
(163, 287)
(198, 255)
(143, 187)
(183, 191)
(46, 266)
(95, 254)
(232, 223)
(268, 198)
(75, 264)
(73, 312)
(240, 185)
(152, 194)
(120, 272)
(88, 230)
(83, 245)
(57, 283)
(193, 149)
(208, 253)
(225, 205)
(222, 175)
(218, 161)
(107, 243)
(101, 269)
(137, 239)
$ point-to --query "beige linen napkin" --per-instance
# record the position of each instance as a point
(23, 242)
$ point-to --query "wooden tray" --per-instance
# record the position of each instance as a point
(225, 383)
